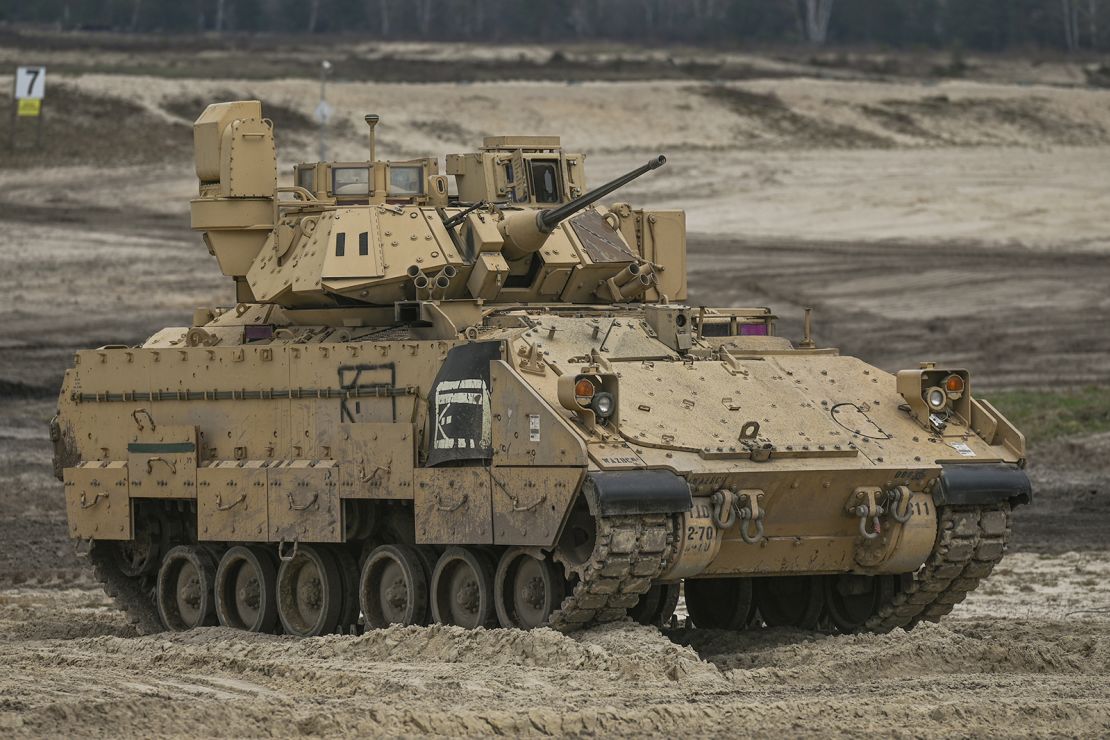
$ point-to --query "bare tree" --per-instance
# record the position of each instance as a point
(1070, 10)
(580, 17)
(424, 17)
(136, 9)
(1092, 22)
(384, 25)
(816, 20)
(313, 15)
(220, 8)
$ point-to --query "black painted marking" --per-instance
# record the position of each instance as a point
(353, 378)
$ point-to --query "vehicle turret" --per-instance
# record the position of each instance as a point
(380, 233)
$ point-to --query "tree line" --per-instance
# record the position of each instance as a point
(989, 25)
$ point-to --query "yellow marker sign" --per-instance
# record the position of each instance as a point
(30, 108)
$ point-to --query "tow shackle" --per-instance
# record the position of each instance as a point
(751, 513)
(746, 506)
(864, 504)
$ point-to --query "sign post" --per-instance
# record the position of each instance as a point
(28, 94)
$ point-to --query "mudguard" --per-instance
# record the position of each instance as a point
(975, 485)
(623, 492)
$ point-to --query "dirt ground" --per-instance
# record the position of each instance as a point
(924, 218)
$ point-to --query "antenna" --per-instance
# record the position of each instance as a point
(372, 121)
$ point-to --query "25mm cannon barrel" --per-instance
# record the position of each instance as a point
(525, 232)
(550, 218)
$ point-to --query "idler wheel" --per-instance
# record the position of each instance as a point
(527, 590)
(462, 589)
(576, 544)
(393, 588)
(656, 607)
(309, 592)
(140, 556)
(851, 599)
(790, 601)
(186, 589)
(720, 603)
(246, 582)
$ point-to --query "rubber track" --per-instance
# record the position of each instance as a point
(133, 596)
(629, 552)
(970, 542)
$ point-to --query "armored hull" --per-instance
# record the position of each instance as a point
(424, 408)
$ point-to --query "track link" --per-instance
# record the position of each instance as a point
(970, 542)
(629, 552)
(133, 596)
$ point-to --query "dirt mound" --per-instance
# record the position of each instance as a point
(966, 676)
(285, 118)
(1014, 647)
(766, 118)
(85, 127)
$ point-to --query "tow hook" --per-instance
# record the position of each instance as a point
(865, 505)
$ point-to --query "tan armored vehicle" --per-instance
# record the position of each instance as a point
(485, 402)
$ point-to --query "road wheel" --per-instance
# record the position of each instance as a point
(309, 592)
(720, 603)
(393, 588)
(245, 590)
(527, 590)
(186, 589)
(462, 589)
(790, 601)
(656, 606)
(852, 599)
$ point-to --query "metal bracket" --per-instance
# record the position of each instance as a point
(86, 551)
(281, 546)
(516, 501)
(462, 502)
(226, 507)
(96, 499)
(144, 412)
(301, 507)
(151, 460)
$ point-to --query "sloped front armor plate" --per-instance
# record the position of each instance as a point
(703, 407)
(599, 241)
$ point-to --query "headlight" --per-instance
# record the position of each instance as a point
(936, 398)
(602, 405)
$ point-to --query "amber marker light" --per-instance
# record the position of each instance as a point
(954, 384)
(584, 391)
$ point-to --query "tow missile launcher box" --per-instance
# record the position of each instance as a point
(477, 397)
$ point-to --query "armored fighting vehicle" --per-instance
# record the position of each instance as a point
(485, 402)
